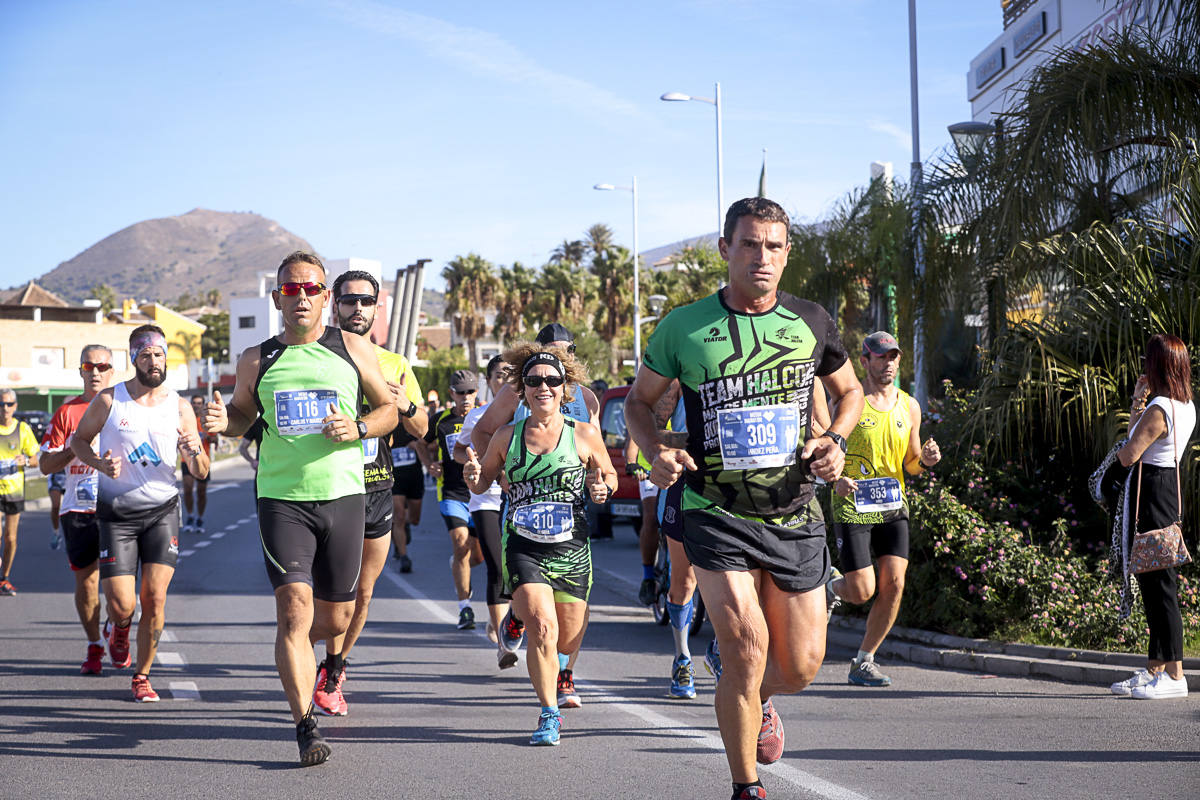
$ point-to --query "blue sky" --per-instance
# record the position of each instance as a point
(400, 130)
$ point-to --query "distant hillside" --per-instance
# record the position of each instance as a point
(159, 259)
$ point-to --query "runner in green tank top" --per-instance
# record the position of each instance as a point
(548, 462)
(307, 385)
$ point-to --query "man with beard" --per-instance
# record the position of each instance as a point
(141, 423)
(78, 509)
(355, 294)
(307, 384)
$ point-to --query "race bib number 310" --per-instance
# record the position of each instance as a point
(545, 522)
(300, 412)
(759, 436)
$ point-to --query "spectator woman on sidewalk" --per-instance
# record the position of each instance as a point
(1161, 423)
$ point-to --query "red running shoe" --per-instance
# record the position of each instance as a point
(751, 793)
(770, 737)
(143, 692)
(327, 694)
(118, 645)
(92, 665)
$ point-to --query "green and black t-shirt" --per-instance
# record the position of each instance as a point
(747, 382)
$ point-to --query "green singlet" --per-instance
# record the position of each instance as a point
(295, 385)
(747, 385)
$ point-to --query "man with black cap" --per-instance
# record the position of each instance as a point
(453, 494)
(870, 512)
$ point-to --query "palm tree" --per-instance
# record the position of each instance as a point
(613, 268)
(471, 291)
(562, 293)
(599, 238)
(515, 301)
(570, 252)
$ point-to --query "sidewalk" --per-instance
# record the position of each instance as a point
(1091, 667)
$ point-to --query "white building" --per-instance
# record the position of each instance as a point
(1033, 30)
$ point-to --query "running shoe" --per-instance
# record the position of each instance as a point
(866, 673)
(832, 601)
(327, 694)
(770, 737)
(187, 526)
(118, 645)
(466, 619)
(405, 564)
(7, 588)
(1163, 687)
(648, 592)
(751, 793)
(683, 685)
(505, 658)
(313, 749)
(199, 526)
(567, 696)
(512, 631)
(548, 727)
(93, 665)
(143, 692)
(712, 660)
(1126, 687)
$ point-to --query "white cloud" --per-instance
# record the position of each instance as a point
(902, 136)
(482, 53)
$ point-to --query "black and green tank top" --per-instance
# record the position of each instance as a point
(296, 384)
(747, 386)
(545, 492)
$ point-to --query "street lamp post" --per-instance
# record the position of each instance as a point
(715, 100)
(920, 392)
(637, 304)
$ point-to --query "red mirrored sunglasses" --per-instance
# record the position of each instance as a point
(291, 288)
(87, 366)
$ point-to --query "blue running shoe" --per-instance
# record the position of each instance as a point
(549, 724)
(682, 685)
(712, 660)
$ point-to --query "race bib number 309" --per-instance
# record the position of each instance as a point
(299, 412)
(759, 436)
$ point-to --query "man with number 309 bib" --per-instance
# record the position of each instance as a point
(869, 509)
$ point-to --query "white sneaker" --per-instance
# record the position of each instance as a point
(1161, 688)
(1139, 678)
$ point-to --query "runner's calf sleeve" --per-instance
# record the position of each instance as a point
(681, 615)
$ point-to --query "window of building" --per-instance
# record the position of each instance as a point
(246, 322)
(120, 360)
(54, 357)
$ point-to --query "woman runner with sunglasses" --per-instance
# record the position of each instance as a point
(549, 461)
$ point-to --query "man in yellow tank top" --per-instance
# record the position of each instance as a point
(870, 512)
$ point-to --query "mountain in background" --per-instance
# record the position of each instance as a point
(160, 259)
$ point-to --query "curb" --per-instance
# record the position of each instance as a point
(1093, 667)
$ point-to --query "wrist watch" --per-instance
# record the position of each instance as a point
(412, 410)
(362, 428)
(837, 438)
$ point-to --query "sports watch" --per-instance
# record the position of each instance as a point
(362, 428)
(412, 410)
(837, 438)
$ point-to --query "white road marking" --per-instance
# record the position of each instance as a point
(184, 690)
(170, 659)
(222, 487)
(168, 636)
(217, 535)
(232, 527)
(186, 553)
(654, 719)
(204, 543)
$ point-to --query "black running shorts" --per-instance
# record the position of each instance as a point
(855, 542)
(409, 481)
(379, 514)
(671, 519)
(149, 537)
(187, 473)
(314, 542)
(82, 535)
(566, 566)
(12, 506)
(796, 558)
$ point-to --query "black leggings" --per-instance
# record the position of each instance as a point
(1160, 593)
(487, 528)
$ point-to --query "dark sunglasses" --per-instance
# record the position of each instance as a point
(571, 349)
(364, 300)
(463, 391)
(8, 403)
(88, 366)
(291, 288)
(553, 381)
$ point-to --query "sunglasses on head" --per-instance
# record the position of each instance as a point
(364, 300)
(88, 366)
(553, 381)
(292, 288)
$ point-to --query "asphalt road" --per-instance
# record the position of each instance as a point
(431, 716)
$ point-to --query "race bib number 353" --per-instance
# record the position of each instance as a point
(299, 412)
(759, 436)
(878, 494)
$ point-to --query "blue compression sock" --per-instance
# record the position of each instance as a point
(681, 616)
(647, 572)
(563, 658)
